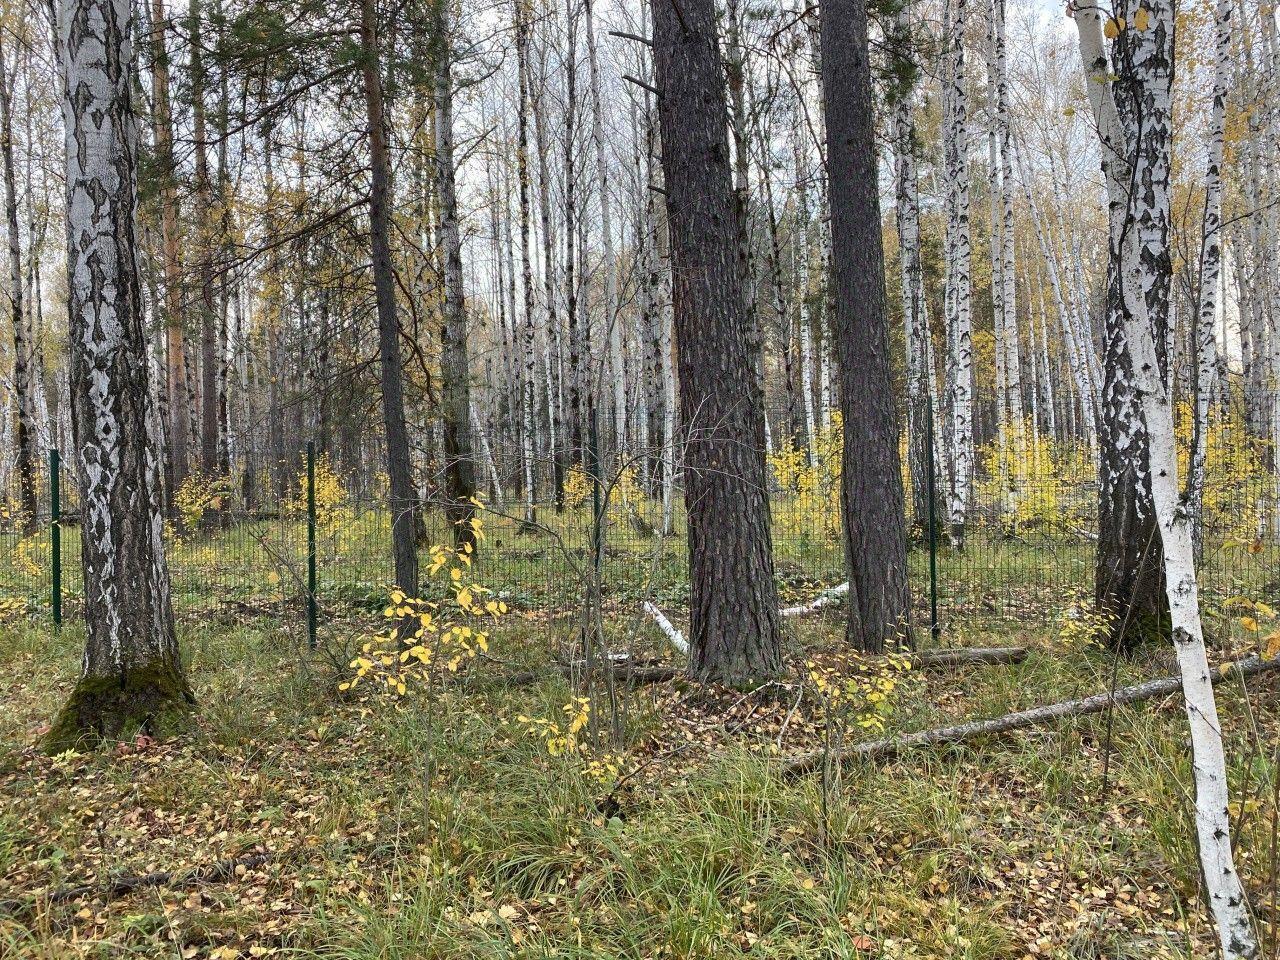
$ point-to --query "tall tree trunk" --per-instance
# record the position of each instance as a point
(1142, 130)
(131, 675)
(1204, 337)
(528, 387)
(914, 306)
(879, 603)
(175, 391)
(399, 466)
(455, 364)
(1129, 586)
(958, 280)
(612, 318)
(23, 347)
(734, 629)
(204, 219)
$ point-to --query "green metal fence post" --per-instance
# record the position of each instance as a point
(935, 628)
(55, 535)
(311, 545)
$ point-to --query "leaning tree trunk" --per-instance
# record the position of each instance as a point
(455, 365)
(1136, 145)
(1128, 579)
(399, 467)
(734, 630)
(131, 675)
(871, 481)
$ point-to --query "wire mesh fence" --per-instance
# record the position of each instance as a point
(292, 538)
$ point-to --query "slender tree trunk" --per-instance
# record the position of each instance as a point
(131, 675)
(612, 319)
(914, 307)
(455, 363)
(958, 255)
(734, 630)
(175, 391)
(204, 217)
(1204, 338)
(879, 602)
(528, 387)
(399, 466)
(24, 425)
(1144, 65)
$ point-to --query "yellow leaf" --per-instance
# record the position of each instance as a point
(1111, 29)
(1272, 642)
(1142, 20)
(1249, 623)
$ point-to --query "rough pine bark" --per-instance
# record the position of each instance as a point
(399, 467)
(871, 481)
(734, 629)
(131, 675)
(914, 306)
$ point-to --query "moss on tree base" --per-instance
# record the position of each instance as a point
(153, 700)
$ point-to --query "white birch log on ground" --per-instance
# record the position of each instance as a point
(668, 629)
(826, 598)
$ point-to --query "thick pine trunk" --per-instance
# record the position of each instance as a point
(734, 631)
(131, 675)
(399, 467)
(871, 480)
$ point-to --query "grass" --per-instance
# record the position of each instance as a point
(436, 826)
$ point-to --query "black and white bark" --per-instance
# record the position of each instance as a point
(131, 674)
(455, 362)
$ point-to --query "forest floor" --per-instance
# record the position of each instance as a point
(438, 824)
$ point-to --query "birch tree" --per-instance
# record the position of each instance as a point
(24, 421)
(455, 363)
(131, 675)
(958, 252)
(1136, 140)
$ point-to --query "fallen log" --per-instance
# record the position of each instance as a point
(673, 635)
(964, 656)
(826, 598)
(939, 736)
